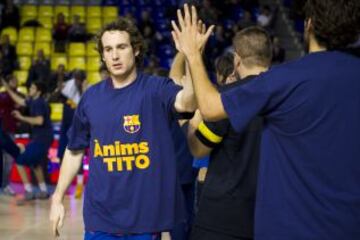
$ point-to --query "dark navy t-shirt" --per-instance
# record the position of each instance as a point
(44, 132)
(133, 185)
(309, 176)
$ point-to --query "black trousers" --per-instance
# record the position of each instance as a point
(199, 233)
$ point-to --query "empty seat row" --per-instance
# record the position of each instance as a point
(74, 49)
(32, 11)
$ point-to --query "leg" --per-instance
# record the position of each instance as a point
(43, 194)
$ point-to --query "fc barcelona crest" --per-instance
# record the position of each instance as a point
(132, 123)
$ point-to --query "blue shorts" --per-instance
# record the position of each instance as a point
(108, 236)
(34, 153)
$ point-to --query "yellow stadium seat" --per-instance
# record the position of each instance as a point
(46, 11)
(91, 49)
(26, 34)
(93, 64)
(23, 20)
(93, 11)
(43, 35)
(77, 10)
(61, 9)
(107, 20)
(76, 50)
(55, 61)
(29, 11)
(22, 89)
(77, 62)
(56, 112)
(93, 77)
(12, 33)
(24, 62)
(46, 22)
(24, 48)
(110, 12)
(93, 25)
(45, 46)
(21, 76)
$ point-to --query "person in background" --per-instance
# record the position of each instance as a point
(41, 138)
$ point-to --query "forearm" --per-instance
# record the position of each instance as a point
(17, 99)
(35, 121)
(177, 70)
(69, 168)
(207, 97)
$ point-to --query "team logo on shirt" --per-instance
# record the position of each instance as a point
(132, 123)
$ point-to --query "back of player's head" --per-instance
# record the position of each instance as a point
(334, 23)
(253, 45)
(224, 66)
(126, 25)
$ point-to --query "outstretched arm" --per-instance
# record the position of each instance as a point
(189, 41)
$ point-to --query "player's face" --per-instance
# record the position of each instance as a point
(118, 54)
(33, 91)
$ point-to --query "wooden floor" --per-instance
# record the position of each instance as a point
(31, 221)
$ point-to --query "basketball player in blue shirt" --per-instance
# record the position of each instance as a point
(133, 190)
(309, 176)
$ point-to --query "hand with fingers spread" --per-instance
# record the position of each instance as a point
(191, 35)
(57, 215)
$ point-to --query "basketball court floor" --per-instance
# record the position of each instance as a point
(31, 221)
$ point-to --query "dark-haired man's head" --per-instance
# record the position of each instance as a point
(37, 89)
(253, 51)
(121, 47)
(331, 24)
(224, 66)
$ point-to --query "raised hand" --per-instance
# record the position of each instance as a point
(191, 35)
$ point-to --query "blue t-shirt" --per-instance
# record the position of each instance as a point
(44, 132)
(309, 176)
(133, 185)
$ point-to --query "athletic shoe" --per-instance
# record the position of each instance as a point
(28, 196)
(42, 195)
(9, 191)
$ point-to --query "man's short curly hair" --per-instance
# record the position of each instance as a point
(335, 23)
(126, 25)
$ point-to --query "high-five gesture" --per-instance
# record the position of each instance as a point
(189, 38)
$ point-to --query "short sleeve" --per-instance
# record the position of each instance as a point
(243, 102)
(211, 133)
(79, 132)
(168, 92)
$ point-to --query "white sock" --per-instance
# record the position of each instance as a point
(43, 187)
(28, 187)
(79, 179)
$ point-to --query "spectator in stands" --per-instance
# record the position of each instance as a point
(146, 24)
(8, 55)
(10, 15)
(40, 70)
(77, 31)
(41, 138)
(246, 21)
(265, 17)
(60, 33)
(208, 13)
(57, 80)
(278, 51)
